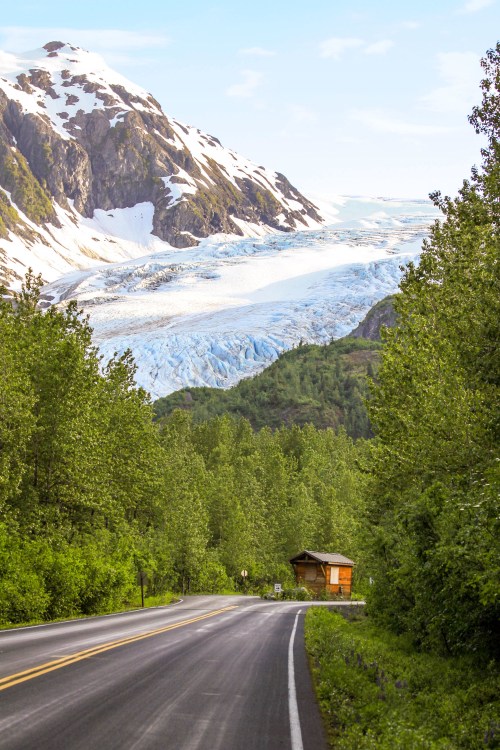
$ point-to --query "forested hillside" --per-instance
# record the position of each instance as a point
(321, 385)
(326, 386)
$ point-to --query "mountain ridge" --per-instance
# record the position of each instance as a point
(77, 138)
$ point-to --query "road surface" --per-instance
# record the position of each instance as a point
(210, 673)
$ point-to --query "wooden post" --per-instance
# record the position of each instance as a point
(142, 588)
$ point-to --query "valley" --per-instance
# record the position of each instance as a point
(204, 264)
(221, 312)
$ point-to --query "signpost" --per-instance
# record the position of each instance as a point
(277, 588)
(142, 578)
(244, 575)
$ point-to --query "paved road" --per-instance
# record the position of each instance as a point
(211, 673)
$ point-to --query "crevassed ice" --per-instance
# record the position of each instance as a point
(220, 312)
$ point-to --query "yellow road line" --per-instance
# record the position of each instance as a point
(29, 674)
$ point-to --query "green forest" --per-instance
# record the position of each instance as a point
(93, 491)
(95, 488)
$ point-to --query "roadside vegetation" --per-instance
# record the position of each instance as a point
(421, 671)
(376, 691)
(432, 502)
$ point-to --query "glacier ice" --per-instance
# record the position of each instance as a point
(220, 312)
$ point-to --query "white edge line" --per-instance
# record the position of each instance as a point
(293, 709)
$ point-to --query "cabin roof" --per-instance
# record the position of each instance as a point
(323, 557)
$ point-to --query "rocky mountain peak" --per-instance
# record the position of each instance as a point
(78, 138)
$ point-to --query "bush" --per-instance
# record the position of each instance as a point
(212, 577)
(300, 593)
(23, 597)
(110, 576)
(376, 691)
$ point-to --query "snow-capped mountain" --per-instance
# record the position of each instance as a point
(91, 170)
(220, 312)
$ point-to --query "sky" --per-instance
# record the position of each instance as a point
(359, 97)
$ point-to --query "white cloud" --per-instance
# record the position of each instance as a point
(251, 80)
(113, 44)
(8, 63)
(379, 48)
(257, 52)
(384, 122)
(336, 46)
(460, 73)
(302, 114)
(410, 25)
(473, 6)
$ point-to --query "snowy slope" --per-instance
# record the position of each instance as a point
(66, 72)
(225, 310)
(121, 175)
(64, 69)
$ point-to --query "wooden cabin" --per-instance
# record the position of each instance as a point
(323, 571)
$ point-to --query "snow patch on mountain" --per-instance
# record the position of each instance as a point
(66, 88)
(108, 237)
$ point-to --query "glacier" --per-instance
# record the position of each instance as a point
(225, 310)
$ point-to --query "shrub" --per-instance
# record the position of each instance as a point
(300, 593)
(376, 691)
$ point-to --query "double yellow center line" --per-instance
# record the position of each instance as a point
(29, 674)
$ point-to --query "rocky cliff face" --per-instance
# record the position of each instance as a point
(76, 138)
(380, 315)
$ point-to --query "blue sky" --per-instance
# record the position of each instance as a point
(344, 97)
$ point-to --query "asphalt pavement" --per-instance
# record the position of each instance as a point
(210, 673)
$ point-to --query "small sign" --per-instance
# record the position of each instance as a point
(277, 588)
(244, 573)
